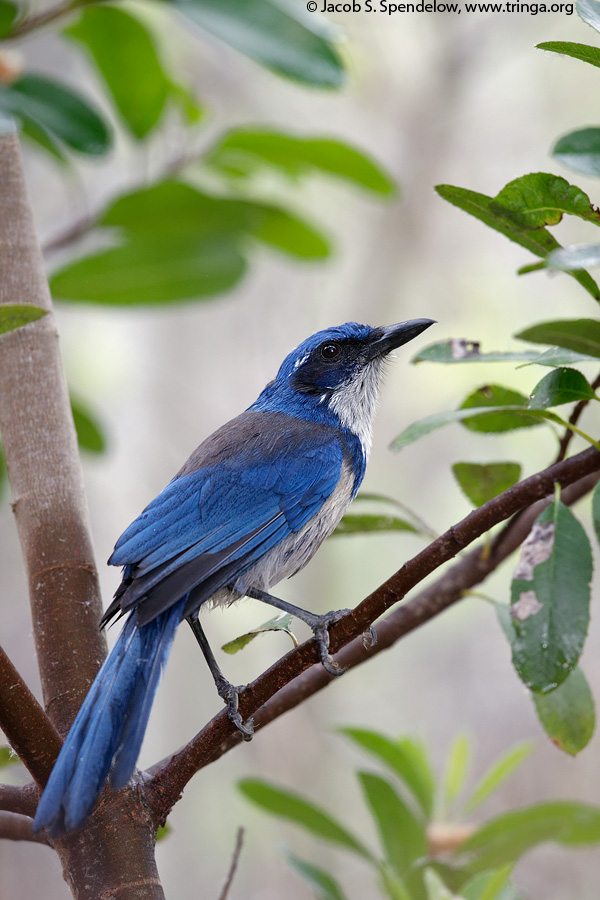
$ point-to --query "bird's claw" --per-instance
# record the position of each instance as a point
(321, 632)
(232, 698)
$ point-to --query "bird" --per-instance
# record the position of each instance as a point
(250, 507)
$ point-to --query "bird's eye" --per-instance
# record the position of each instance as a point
(329, 351)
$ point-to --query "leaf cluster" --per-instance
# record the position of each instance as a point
(426, 850)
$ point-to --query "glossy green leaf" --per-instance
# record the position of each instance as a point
(89, 431)
(575, 256)
(457, 767)
(580, 150)
(539, 199)
(8, 757)
(58, 109)
(406, 758)
(281, 622)
(536, 240)
(506, 838)
(463, 351)
(16, 315)
(368, 523)
(8, 14)
(272, 34)
(589, 11)
(243, 152)
(287, 805)
(125, 54)
(321, 883)
(583, 52)
(560, 386)
(567, 714)
(580, 335)
(150, 272)
(495, 395)
(482, 482)
(550, 597)
(494, 884)
(401, 834)
(504, 417)
(182, 210)
(497, 774)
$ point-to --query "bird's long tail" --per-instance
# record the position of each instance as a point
(108, 731)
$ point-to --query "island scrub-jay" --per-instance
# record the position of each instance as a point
(250, 507)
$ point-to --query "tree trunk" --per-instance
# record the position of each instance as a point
(113, 855)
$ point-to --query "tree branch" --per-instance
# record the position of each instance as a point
(19, 799)
(25, 724)
(14, 827)
(163, 787)
(578, 409)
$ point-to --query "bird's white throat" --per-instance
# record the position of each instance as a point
(355, 403)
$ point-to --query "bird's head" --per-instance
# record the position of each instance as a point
(335, 373)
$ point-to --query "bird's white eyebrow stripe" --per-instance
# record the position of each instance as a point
(299, 362)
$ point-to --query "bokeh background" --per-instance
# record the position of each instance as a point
(436, 98)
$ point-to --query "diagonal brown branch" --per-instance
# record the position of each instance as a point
(164, 787)
(14, 827)
(19, 799)
(25, 724)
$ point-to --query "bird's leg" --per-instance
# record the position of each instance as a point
(227, 691)
(319, 624)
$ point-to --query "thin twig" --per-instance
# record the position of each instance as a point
(573, 419)
(14, 827)
(165, 786)
(234, 864)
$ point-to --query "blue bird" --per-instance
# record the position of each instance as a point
(250, 507)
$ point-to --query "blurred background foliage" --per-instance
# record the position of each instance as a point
(249, 153)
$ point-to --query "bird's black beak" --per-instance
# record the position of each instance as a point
(389, 337)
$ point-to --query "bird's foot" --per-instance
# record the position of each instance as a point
(231, 696)
(320, 627)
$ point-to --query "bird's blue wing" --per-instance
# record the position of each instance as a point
(210, 525)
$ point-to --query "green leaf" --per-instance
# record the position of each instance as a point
(575, 256)
(539, 199)
(504, 839)
(125, 54)
(288, 805)
(538, 240)
(182, 211)
(58, 109)
(163, 831)
(402, 835)
(550, 596)
(89, 431)
(14, 316)
(280, 622)
(462, 351)
(497, 774)
(580, 335)
(42, 137)
(405, 757)
(584, 52)
(589, 11)
(560, 386)
(322, 884)
(151, 272)
(456, 768)
(580, 150)
(495, 395)
(271, 35)
(481, 483)
(567, 714)
(436, 889)
(8, 757)
(243, 152)
(504, 416)
(368, 523)
(494, 884)
(393, 886)
(8, 14)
